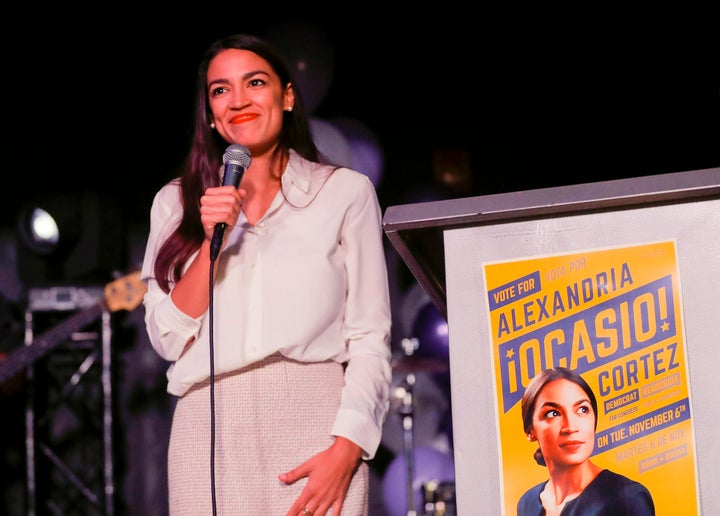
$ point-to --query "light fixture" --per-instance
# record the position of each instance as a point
(69, 238)
(50, 227)
(43, 230)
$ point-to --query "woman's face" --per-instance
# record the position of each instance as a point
(563, 423)
(247, 99)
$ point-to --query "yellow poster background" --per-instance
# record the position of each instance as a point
(615, 316)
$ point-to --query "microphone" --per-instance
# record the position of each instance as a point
(236, 159)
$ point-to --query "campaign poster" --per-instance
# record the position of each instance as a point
(614, 315)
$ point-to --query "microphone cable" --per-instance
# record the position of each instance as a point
(211, 340)
(236, 160)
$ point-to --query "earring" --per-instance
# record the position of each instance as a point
(212, 125)
(289, 108)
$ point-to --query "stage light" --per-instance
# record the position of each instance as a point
(69, 238)
(43, 229)
(50, 227)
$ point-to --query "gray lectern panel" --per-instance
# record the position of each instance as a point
(618, 281)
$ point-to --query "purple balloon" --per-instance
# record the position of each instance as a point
(366, 150)
(309, 53)
(431, 330)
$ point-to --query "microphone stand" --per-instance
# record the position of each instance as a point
(406, 410)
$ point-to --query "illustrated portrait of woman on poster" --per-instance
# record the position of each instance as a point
(559, 412)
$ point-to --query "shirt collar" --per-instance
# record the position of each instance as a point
(306, 176)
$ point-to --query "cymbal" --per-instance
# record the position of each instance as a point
(412, 364)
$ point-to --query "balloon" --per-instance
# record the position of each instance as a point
(429, 465)
(412, 301)
(431, 330)
(309, 54)
(445, 421)
(366, 151)
(331, 142)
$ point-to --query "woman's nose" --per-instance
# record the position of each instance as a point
(569, 425)
(238, 99)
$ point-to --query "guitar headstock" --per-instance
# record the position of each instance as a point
(125, 293)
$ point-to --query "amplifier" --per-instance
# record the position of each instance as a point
(63, 298)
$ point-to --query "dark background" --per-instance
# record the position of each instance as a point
(101, 101)
(535, 98)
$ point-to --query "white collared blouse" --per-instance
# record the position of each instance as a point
(309, 281)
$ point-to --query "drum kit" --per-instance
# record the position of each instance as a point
(425, 495)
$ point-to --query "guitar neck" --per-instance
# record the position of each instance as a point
(42, 344)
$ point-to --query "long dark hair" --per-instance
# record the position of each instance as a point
(200, 167)
(527, 404)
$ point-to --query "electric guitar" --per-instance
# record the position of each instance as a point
(125, 293)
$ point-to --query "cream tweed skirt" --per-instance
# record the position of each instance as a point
(269, 418)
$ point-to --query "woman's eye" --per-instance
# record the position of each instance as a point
(217, 91)
(256, 82)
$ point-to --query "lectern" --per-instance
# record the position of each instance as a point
(618, 280)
